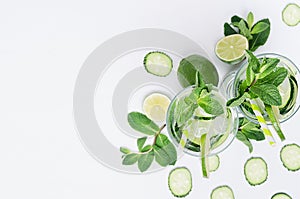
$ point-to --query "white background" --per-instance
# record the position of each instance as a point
(42, 47)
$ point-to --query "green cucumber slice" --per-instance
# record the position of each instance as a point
(290, 157)
(222, 192)
(256, 171)
(291, 14)
(292, 98)
(213, 162)
(158, 63)
(204, 147)
(180, 182)
(281, 195)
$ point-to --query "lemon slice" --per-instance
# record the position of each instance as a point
(155, 106)
(231, 49)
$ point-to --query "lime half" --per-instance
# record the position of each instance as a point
(155, 106)
(231, 49)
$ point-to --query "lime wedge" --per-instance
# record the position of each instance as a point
(155, 106)
(231, 49)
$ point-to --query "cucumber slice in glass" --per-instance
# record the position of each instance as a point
(213, 162)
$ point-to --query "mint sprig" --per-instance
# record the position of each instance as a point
(257, 34)
(248, 131)
(263, 76)
(160, 149)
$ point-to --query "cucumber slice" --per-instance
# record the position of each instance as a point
(281, 195)
(285, 89)
(290, 157)
(213, 162)
(180, 182)
(292, 98)
(158, 63)
(291, 14)
(256, 171)
(204, 146)
(222, 192)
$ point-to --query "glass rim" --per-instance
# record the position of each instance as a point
(242, 67)
(217, 150)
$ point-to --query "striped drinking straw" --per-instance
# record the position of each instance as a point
(262, 123)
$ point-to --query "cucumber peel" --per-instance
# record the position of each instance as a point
(158, 63)
(290, 156)
(281, 195)
(180, 182)
(256, 171)
(291, 14)
(222, 192)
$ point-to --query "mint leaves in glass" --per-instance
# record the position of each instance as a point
(199, 110)
(265, 89)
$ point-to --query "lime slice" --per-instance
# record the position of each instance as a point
(155, 106)
(231, 49)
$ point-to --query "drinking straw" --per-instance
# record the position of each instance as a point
(183, 139)
(263, 123)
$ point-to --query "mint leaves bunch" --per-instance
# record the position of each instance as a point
(160, 149)
(263, 76)
(200, 96)
(256, 33)
(249, 131)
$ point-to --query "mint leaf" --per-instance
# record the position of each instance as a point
(261, 38)
(141, 142)
(145, 161)
(268, 67)
(161, 156)
(250, 75)
(250, 19)
(199, 81)
(125, 150)
(164, 143)
(251, 130)
(254, 134)
(268, 93)
(228, 30)
(210, 105)
(142, 123)
(276, 77)
(259, 27)
(236, 19)
(146, 148)
(130, 159)
(244, 29)
(184, 111)
(240, 136)
(253, 62)
(237, 100)
(161, 140)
